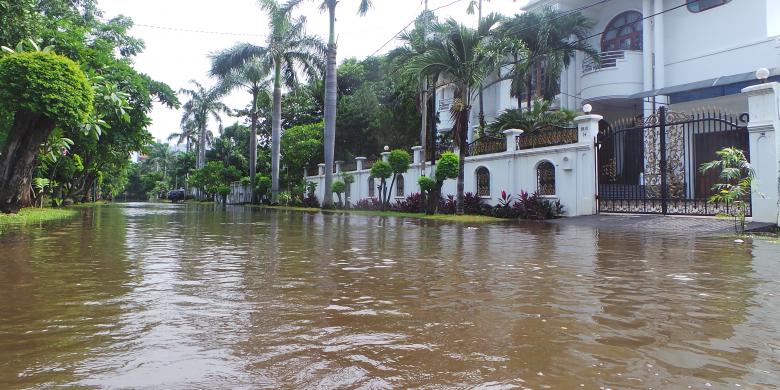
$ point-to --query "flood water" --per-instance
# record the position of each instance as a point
(175, 296)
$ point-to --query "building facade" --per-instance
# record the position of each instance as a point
(678, 53)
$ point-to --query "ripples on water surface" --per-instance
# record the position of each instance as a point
(173, 296)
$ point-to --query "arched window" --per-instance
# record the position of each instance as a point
(703, 5)
(624, 32)
(399, 186)
(545, 178)
(483, 182)
(371, 187)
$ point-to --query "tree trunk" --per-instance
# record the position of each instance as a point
(253, 148)
(461, 162)
(528, 92)
(20, 157)
(481, 97)
(330, 108)
(538, 71)
(276, 131)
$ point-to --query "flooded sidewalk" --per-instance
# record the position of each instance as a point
(659, 223)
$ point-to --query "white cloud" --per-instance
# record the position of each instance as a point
(175, 57)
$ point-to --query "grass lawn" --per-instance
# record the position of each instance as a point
(438, 217)
(31, 215)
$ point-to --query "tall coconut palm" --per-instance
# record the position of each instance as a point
(251, 76)
(162, 156)
(477, 5)
(188, 135)
(331, 96)
(463, 58)
(288, 49)
(204, 103)
(551, 38)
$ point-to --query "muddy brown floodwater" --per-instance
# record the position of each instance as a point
(175, 296)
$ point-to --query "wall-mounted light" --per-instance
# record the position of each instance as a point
(387, 148)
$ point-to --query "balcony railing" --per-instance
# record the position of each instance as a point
(607, 59)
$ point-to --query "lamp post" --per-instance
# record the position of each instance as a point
(762, 74)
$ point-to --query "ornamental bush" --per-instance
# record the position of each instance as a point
(47, 84)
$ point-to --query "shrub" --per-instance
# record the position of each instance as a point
(504, 208)
(412, 204)
(371, 204)
(447, 206)
(473, 204)
(311, 201)
(533, 206)
(245, 181)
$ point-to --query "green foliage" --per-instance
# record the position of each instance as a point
(263, 185)
(447, 167)
(381, 170)
(245, 181)
(347, 178)
(311, 187)
(539, 115)
(399, 160)
(426, 183)
(339, 187)
(213, 176)
(301, 145)
(47, 84)
(735, 190)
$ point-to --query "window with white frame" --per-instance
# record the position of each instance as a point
(703, 5)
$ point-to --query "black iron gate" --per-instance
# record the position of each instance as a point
(651, 165)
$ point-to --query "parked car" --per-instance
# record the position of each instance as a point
(176, 195)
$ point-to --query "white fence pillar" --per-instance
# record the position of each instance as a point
(385, 156)
(764, 106)
(359, 161)
(586, 165)
(320, 169)
(416, 154)
(338, 166)
(511, 139)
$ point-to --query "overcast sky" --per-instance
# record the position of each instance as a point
(175, 57)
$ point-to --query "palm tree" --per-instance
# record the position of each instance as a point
(287, 50)
(477, 4)
(162, 156)
(550, 38)
(204, 103)
(251, 76)
(331, 95)
(187, 136)
(463, 58)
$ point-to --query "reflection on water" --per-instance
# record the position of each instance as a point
(145, 295)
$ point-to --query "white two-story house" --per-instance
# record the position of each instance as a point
(686, 54)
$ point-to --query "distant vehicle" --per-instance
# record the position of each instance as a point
(176, 195)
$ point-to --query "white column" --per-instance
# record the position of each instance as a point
(320, 169)
(647, 55)
(658, 44)
(416, 154)
(571, 73)
(385, 156)
(565, 87)
(511, 139)
(360, 161)
(338, 166)
(585, 166)
(764, 106)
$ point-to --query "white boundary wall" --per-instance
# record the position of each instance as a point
(764, 103)
(512, 171)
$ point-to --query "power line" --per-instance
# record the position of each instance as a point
(197, 31)
(409, 24)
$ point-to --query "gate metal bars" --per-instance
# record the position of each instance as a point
(651, 165)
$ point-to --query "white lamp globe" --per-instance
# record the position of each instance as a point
(762, 74)
(387, 148)
(587, 108)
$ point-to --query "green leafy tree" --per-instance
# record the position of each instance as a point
(339, 187)
(463, 58)
(735, 190)
(213, 176)
(399, 161)
(539, 115)
(549, 38)
(203, 104)
(300, 146)
(288, 49)
(42, 90)
(446, 168)
(382, 170)
(263, 186)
